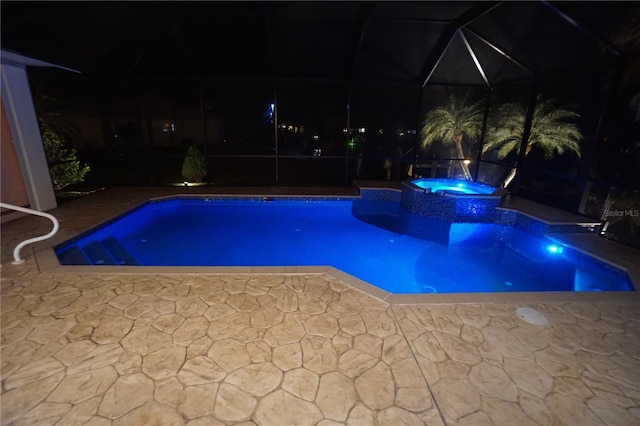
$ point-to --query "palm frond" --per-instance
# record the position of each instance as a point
(553, 129)
(444, 123)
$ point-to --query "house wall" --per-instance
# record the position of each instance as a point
(13, 190)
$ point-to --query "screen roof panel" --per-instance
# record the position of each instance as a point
(360, 40)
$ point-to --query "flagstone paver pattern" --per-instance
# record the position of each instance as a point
(287, 349)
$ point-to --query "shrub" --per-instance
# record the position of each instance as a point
(64, 167)
(193, 167)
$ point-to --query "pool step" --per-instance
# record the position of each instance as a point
(118, 252)
(106, 252)
(97, 254)
(73, 256)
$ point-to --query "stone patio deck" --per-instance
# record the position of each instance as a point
(294, 349)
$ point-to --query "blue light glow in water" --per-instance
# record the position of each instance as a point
(375, 246)
(554, 249)
(454, 186)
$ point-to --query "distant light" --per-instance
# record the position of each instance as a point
(316, 137)
(467, 162)
(362, 130)
(554, 249)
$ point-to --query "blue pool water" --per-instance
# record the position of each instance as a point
(373, 247)
(454, 186)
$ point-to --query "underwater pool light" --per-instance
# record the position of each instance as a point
(532, 316)
(554, 249)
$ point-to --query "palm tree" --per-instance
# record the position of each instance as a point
(451, 123)
(552, 130)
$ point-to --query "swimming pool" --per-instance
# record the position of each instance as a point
(375, 245)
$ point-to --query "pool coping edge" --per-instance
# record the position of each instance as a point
(47, 262)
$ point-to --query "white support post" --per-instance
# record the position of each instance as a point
(21, 113)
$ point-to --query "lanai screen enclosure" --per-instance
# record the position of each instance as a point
(325, 93)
